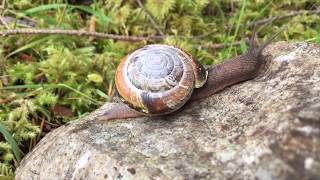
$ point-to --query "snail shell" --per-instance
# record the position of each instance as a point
(158, 79)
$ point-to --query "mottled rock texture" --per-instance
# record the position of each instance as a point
(265, 128)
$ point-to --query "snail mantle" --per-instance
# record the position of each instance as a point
(265, 128)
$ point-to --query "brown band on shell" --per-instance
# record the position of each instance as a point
(173, 99)
(200, 73)
(150, 103)
(124, 88)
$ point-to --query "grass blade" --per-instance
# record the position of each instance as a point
(27, 46)
(243, 46)
(44, 8)
(100, 16)
(241, 15)
(11, 141)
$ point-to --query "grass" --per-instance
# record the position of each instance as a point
(14, 146)
(52, 86)
(46, 81)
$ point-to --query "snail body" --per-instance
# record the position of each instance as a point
(158, 79)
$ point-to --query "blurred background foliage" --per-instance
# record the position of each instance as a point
(46, 81)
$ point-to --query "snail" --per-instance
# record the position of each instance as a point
(159, 79)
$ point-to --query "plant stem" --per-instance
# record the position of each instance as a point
(31, 31)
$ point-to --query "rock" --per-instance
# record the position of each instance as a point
(266, 128)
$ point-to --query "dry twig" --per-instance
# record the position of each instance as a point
(31, 31)
(274, 18)
(34, 31)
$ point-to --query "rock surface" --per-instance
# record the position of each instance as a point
(266, 128)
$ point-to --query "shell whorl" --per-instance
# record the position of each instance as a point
(158, 79)
(155, 69)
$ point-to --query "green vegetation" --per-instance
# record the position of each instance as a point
(46, 81)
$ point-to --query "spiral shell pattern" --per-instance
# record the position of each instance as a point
(158, 79)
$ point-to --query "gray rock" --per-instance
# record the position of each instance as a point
(266, 128)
